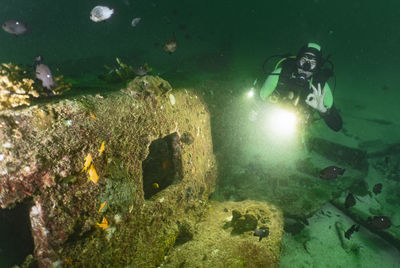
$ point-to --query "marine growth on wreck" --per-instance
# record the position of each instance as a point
(18, 86)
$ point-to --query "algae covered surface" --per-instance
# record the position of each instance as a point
(217, 241)
(55, 138)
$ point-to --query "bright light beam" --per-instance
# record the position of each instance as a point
(281, 122)
(250, 94)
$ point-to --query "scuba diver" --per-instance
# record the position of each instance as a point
(301, 81)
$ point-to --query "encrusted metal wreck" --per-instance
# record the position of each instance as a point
(155, 173)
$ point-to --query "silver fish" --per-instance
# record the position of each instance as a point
(15, 27)
(141, 70)
(101, 13)
(43, 73)
(135, 22)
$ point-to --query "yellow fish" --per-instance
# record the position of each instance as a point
(93, 174)
(155, 185)
(88, 161)
(102, 206)
(92, 116)
(101, 150)
(103, 224)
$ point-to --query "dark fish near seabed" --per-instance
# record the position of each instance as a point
(15, 27)
(380, 222)
(377, 188)
(43, 73)
(261, 232)
(350, 201)
(351, 230)
(331, 172)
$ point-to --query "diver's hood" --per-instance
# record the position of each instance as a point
(308, 60)
(310, 50)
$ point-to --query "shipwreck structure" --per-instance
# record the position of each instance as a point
(114, 179)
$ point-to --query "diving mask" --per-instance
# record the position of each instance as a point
(306, 65)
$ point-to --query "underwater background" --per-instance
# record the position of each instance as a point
(221, 49)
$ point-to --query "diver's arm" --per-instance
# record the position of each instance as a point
(332, 118)
(328, 97)
(270, 84)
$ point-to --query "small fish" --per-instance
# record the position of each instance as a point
(261, 232)
(170, 46)
(43, 73)
(377, 188)
(331, 172)
(93, 174)
(380, 222)
(141, 70)
(155, 185)
(103, 224)
(135, 21)
(15, 27)
(101, 13)
(102, 206)
(350, 201)
(351, 230)
(101, 150)
(88, 161)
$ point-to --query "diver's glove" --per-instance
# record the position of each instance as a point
(316, 99)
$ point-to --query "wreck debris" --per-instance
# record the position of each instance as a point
(44, 164)
(124, 72)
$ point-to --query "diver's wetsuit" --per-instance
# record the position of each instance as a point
(283, 84)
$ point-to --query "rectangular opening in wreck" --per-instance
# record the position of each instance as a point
(163, 165)
(16, 241)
